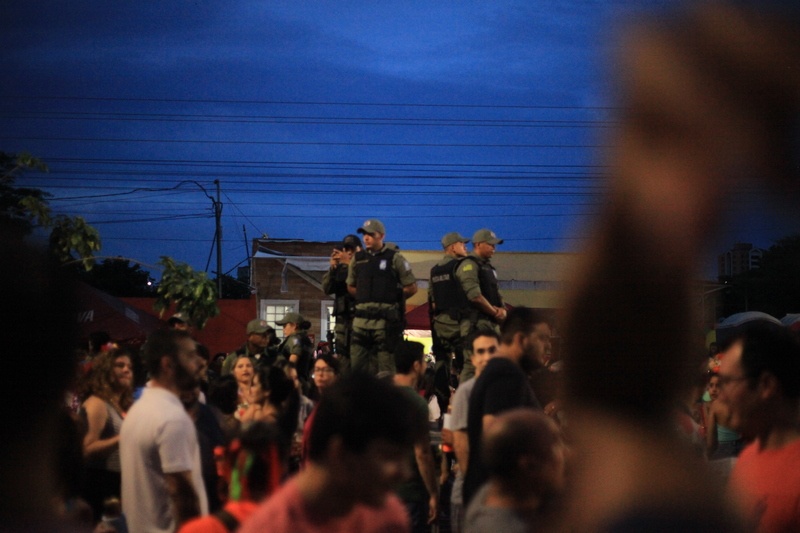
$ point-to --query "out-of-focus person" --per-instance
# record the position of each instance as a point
(110, 391)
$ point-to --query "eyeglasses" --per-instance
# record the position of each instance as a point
(724, 380)
(490, 350)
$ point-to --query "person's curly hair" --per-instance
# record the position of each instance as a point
(101, 380)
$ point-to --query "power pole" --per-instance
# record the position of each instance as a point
(218, 217)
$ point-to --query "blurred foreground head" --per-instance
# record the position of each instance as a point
(38, 320)
(709, 100)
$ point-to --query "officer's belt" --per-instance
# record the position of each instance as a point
(376, 314)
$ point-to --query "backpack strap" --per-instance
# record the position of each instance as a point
(227, 519)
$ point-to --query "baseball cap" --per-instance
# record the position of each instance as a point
(351, 241)
(291, 318)
(372, 225)
(486, 235)
(257, 326)
(452, 238)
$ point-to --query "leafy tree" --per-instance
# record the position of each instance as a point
(25, 208)
(192, 292)
(773, 288)
(119, 277)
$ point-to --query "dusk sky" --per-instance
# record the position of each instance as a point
(314, 116)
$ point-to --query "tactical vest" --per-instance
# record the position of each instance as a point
(447, 292)
(343, 302)
(487, 278)
(376, 280)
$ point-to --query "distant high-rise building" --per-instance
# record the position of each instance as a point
(741, 258)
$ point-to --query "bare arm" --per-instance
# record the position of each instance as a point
(351, 290)
(185, 503)
(488, 420)
(408, 290)
(96, 418)
(711, 429)
(461, 447)
(427, 469)
(498, 313)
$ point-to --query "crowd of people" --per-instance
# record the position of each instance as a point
(280, 440)
(278, 437)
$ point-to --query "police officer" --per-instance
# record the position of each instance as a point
(478, 280)
(334, 282)
(260, 339)
(448, 303)
(380, 279)
(296, 346)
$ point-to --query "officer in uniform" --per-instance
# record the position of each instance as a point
(334, 282)
(478, 280)
(447, 301)
(258, 347)
(296, 346)
(380, 279)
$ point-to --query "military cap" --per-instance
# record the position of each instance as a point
(291, 318)
(372, 225)
(257, 326)
(452, 238)
(486, 235)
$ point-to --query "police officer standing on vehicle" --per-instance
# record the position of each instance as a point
(478, 280)
(448, 302)
(296, 347)
(375, 279)
(334, 282)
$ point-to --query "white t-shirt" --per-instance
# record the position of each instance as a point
(157, 438)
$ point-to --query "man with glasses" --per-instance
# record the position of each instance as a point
(484, 345)
(759, 381)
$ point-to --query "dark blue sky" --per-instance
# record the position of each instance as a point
(433, 117)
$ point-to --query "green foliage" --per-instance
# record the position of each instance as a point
(73, 233)
(25, 208)
(119, 277)
(192, 292)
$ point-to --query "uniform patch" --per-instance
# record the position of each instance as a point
(467, 268)
(495, 273)
(406, 265)
(295, 341)
(382, 265)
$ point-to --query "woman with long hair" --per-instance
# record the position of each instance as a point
(110, 395)
(273, 399)
(243, 372)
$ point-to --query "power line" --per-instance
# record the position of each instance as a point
(312, 103)
(299, 143)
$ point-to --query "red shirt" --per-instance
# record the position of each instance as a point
(768, 482)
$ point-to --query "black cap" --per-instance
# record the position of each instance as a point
(351, 241)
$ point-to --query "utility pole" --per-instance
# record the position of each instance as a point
(218, 217)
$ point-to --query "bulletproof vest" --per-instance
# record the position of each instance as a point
(343, 302)
(487, 277)
(447, 292)
(376, 280)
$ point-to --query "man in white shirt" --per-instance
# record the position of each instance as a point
(162, 485)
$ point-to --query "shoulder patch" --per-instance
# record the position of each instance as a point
(467, 267)
(295, 341)
(406, 265)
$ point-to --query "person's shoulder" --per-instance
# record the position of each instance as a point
(468, 263)
(391, 517)
(277, 512)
